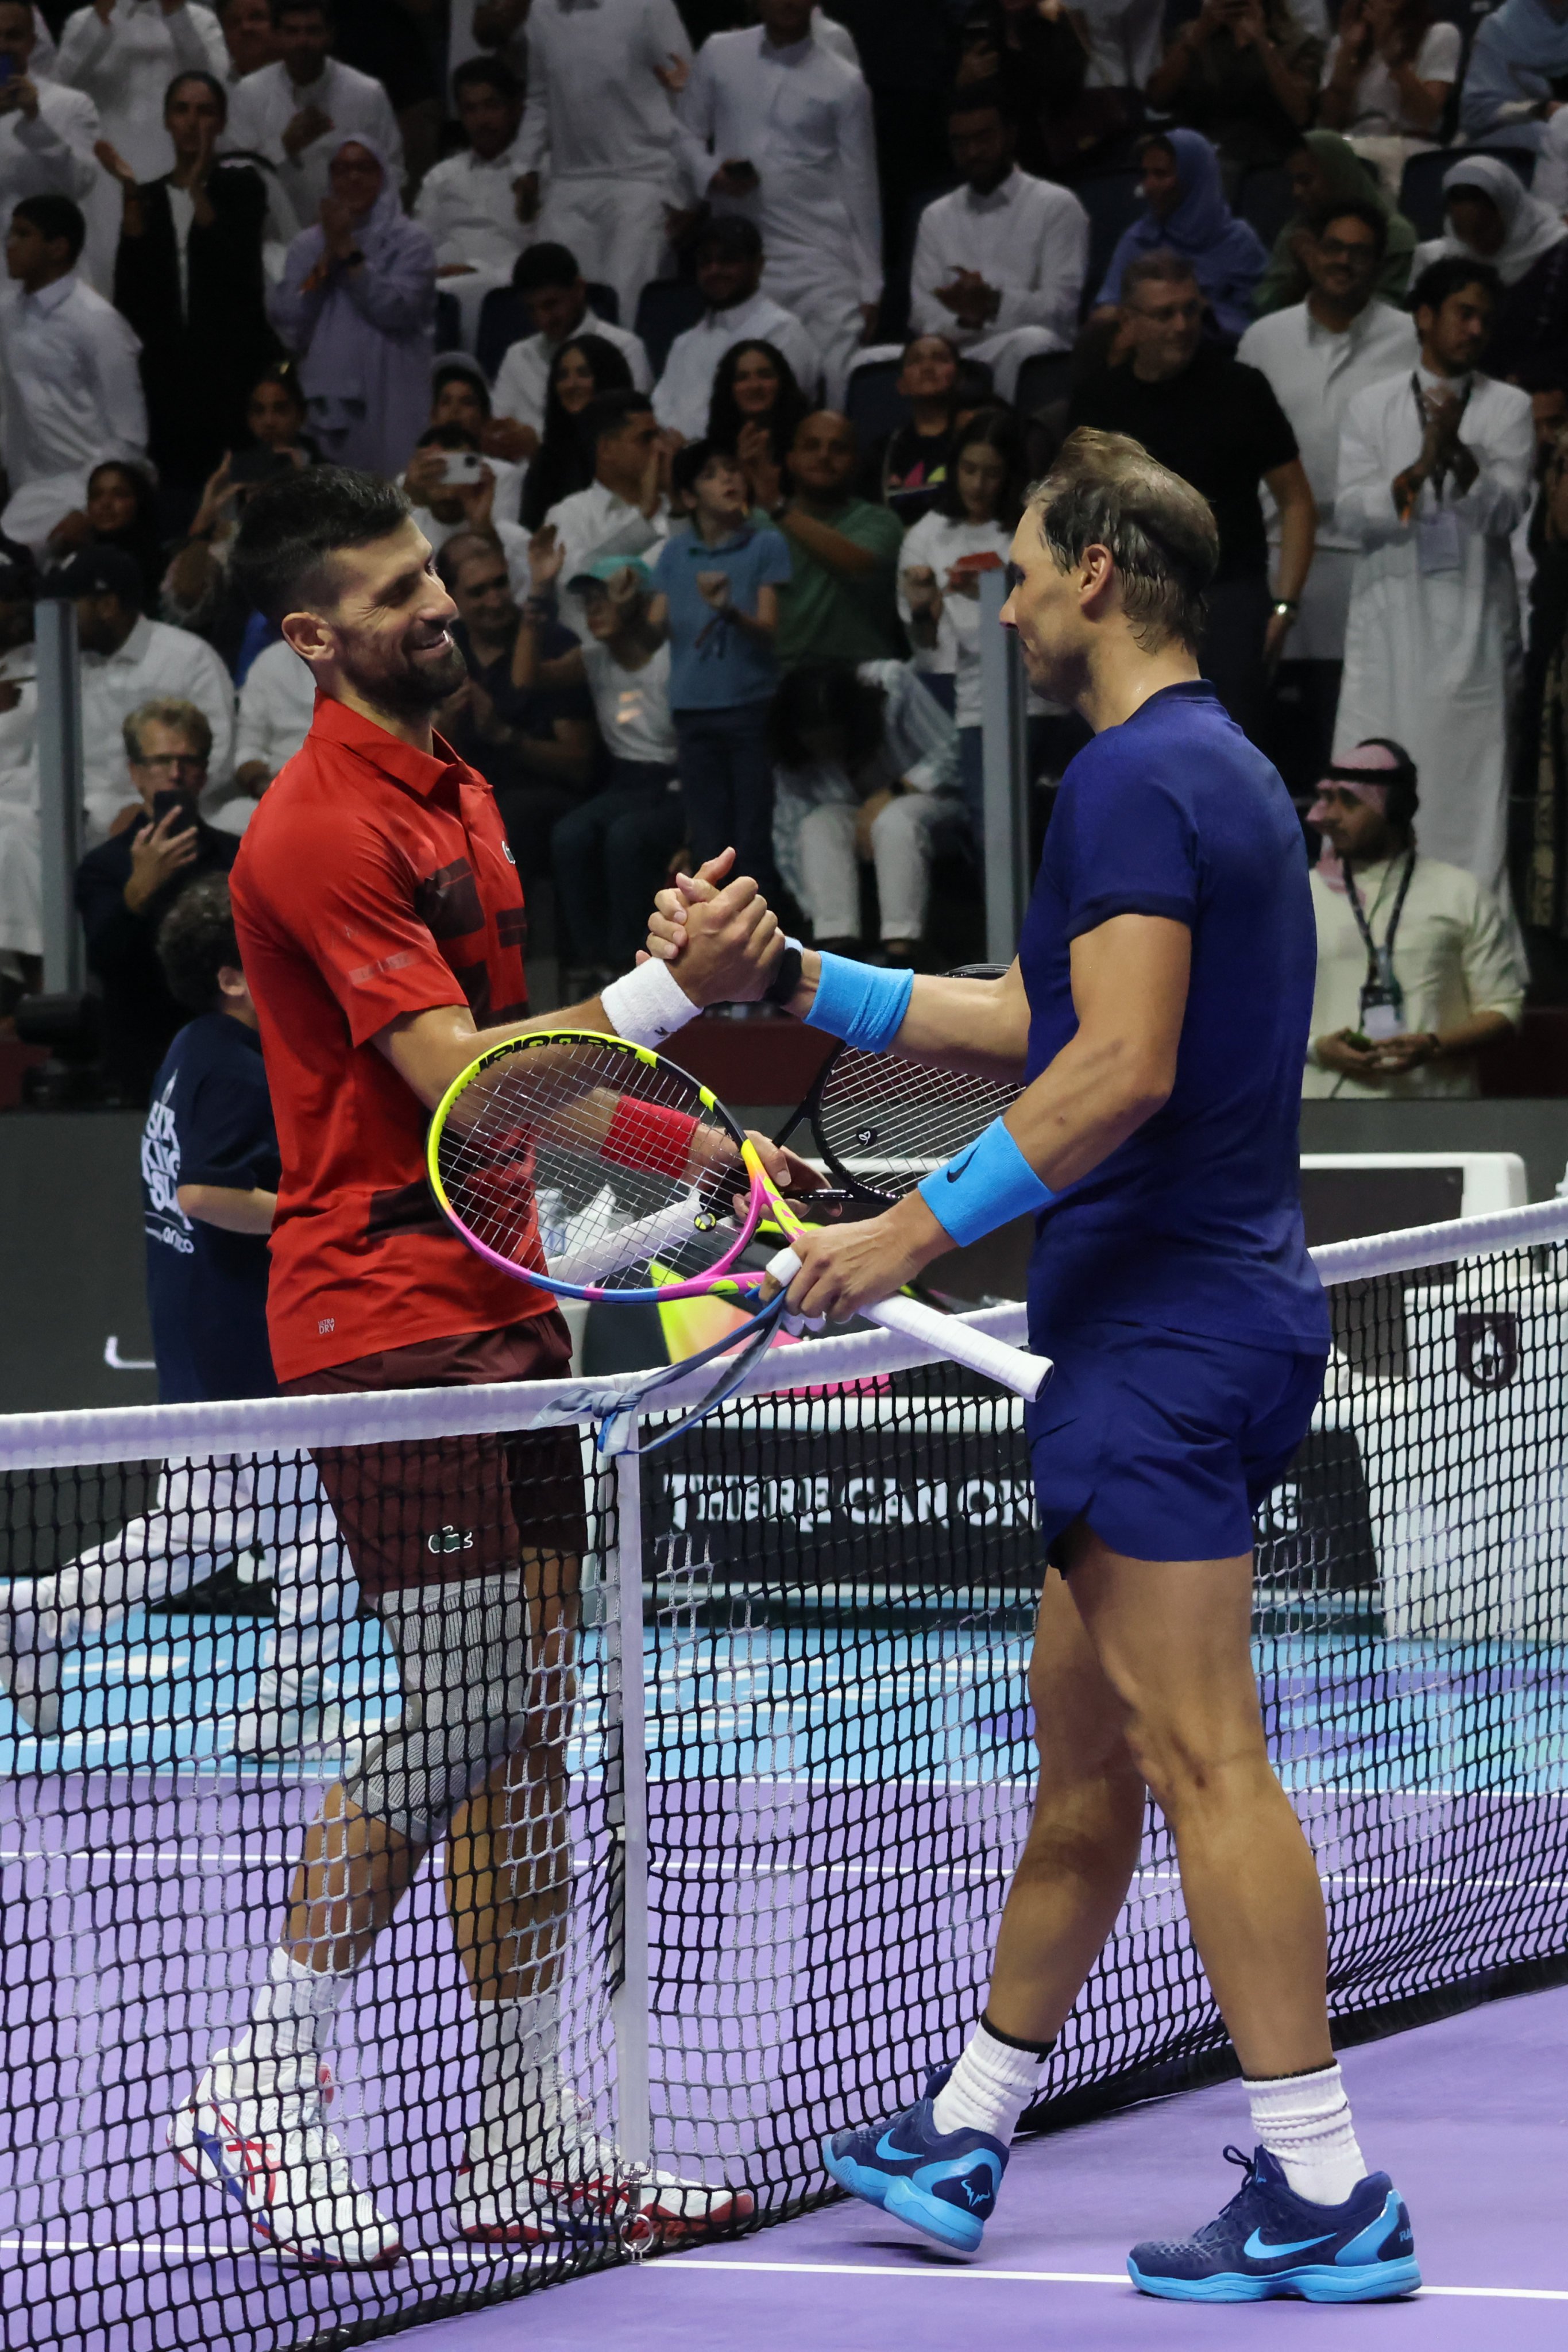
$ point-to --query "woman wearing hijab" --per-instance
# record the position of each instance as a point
(1326, 170)
(584, 366)
(1187, 213)
(357, 303)
(1518, 67)
(1493, 217)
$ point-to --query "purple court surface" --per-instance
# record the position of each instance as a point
(1470, 2115)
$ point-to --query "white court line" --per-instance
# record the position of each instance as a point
(1042, 2278)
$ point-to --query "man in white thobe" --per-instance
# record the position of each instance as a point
(1317, 354)
(624, 511)
(473, 203)
(551, 282)
(999, 264)
(69, 387)
(124, 57)
(780, 131)
(250, 36)
(47, 132)
(600, 116)
(127, 660)
(1435, 469)
(729, 272)
(298, 112)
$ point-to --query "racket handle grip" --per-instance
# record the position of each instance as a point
(945, 1335)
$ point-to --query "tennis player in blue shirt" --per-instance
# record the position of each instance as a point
(1159, 1008)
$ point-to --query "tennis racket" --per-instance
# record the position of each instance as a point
(879, 1124)
(583, 1163)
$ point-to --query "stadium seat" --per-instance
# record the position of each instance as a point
(448, 323)
(666, 308)
(605, 302)
(1114, 204)
(1266, 202)
(1042, 380)
(1421, 188)
(873, 403)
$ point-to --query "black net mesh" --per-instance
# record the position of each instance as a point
(836, 1589)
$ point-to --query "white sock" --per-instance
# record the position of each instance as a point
(519, 2071)
(281, 2049)
(1304, 2122)
(989, 2088)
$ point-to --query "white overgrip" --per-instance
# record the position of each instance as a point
(945, 1336)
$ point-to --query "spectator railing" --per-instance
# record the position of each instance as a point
(59, 791)
(1005, 774)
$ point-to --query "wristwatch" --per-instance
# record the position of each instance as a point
(1286, 605)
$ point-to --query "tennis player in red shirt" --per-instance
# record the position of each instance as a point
(382, 926)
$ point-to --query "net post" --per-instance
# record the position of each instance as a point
(1005, 770)
(59, 791)
(634, 2127)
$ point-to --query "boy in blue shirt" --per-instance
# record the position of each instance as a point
(718, 599)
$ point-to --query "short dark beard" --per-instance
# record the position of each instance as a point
(405, 692)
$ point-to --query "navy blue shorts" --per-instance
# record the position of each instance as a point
(1166, 1442)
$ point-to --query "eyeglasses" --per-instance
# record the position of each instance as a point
(1169, 314)
(1360, 250)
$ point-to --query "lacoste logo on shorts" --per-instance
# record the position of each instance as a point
(450, 1540)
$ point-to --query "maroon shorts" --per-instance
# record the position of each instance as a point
(437, 1510)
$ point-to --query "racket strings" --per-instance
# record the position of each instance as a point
(886, 1122)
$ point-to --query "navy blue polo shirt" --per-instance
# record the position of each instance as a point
(1195, 1222)
(210, 1123)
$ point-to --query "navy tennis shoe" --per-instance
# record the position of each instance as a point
(942, 2183)
(1269, 2242)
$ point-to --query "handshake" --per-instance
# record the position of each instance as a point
(721, 937)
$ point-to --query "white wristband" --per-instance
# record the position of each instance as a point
(648, 1005)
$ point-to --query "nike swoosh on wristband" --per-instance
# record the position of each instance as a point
(1259, 2249)
(956, 1170)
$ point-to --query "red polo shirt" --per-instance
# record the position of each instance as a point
(372, 881)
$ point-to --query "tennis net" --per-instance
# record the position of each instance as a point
(777, 1784)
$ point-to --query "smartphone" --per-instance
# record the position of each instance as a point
(252, 466)
(163, 804)
(464, 466)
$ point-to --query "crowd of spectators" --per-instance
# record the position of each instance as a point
(715, 342)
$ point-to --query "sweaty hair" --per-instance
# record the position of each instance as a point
(168, 710)
(54, 216)
(290, 527)
(195, 939)
(1436, 282)
(1105, 491)
(825, 697)
(1161, 268)
(1362, 209)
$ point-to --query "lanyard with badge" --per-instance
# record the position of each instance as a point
(1437, 546)
(1382, 997)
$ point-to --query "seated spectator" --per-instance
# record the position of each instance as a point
(1218, 425)
(47, 133)
(624, 509)
(756, 411)
(120, 511)
(968, 530)
(277, 704)
(535, 749)
(1416, 964)
(249, 35)
(1125, 40)
(1186, 214)
(840, 602)
(128, 660)
(1386, 82)
(459, 396)
(452, 487)
(999, 264)
(550, 282)
(1325, 170)
(866, 773)
(470, 204)
(611, 852)
(1516, 75)
(582, 371)
(1243, 72)
(717, 600)
(124, 57)
(69, 391)
(298, 112)
(729, 273)
(127, 885)
(911, 464)
(1493, 219)
(188, 276)
(357, 305)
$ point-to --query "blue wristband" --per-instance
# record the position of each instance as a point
(984, 1187)
(860, 1003)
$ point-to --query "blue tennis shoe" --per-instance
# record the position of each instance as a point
(1269, 2242)
(942, 2183)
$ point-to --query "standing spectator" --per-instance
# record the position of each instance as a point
(357, 303)
(471, 205)
(781, 132)
(625, 510)
(197, 594)
(1041, 55)
(1243, 72)
(1493, 219)
(1517, 65)
(188, 276)
(127, 885)
(124, 54)
(298, 112)
(277, 703)
(120, 511)
(906, 55)
(1325, 170)
(1186, 214)
(67, 372)
(581, 371)
(1317, 356)
(611, 853)
(719, 587)
(1387, 78)
(999, 264)
(1435, 474)
(911, 464)
(47, 133)
(1218, 425)
(1415, 966)
(729, 273)
(601, 111)
(756, 411)
(841, 600)
(381, 40)
(552, 284)
(1125, 50)
(249, 35)
(866, 774)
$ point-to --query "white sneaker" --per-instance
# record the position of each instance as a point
(572, 2184)
(286, 2169)
(30, 1661)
